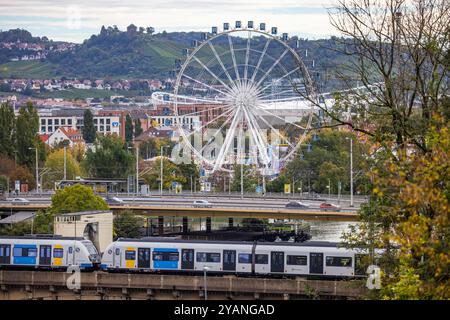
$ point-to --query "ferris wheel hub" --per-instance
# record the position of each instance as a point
(243, 94)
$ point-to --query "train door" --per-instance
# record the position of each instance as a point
(117, 257)
(187, 259)
(144, 258)
(5, 253)
(45, 255)
(316, 263)
(276, 261)
(229, 260)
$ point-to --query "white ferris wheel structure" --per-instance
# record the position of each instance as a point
(248, 94)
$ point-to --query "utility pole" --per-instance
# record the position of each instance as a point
(137, 170)
(65, 163)
(351, 171)
(161, 165)
(329, 189)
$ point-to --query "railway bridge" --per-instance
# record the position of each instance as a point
(50, 285)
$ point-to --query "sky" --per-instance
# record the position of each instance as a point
(69, 20)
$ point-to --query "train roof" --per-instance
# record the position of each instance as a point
(280, 243)
(42, 237)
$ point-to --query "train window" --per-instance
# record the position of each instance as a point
(17, 252)
(262, 259)
(245, 258)
(208, 257)
(117, 251)
(70, 250)
(165, 256)
(297, 260)
(338, 261)
(130, 255)
(58, 253)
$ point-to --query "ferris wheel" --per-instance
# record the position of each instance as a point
(243, 96)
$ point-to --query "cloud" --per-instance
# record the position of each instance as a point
(300, 17)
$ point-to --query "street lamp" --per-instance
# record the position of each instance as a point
(161, 156)
(205, 269)
(37, 168)
(351, 170)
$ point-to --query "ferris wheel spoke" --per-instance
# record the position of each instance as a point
(211, 73)
(259, 140)
(272, 67)
(247, 55)
(227, 113)
(277, 132)
(286, 75)
(204, 110)
(228, 139)
(213, 49)
(261, 58)
(233, 57)
(278, 117)
(215, 134)
(204, 84)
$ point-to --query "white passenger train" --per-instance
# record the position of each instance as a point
(47, 252)
(258, 258)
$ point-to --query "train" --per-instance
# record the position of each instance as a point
(168, 255)
(48, 252)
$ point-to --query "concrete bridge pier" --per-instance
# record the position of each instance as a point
(208, 224)
(160, 225)
(185, 225)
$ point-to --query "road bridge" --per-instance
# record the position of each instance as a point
(46, 285)
(180, 211)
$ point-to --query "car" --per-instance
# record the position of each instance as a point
(297, 205)
(329, 207)
(22, 201)
(115, 201)
(202, 204)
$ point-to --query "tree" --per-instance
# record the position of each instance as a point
(410, 208)
(76, 198)
(7, 130)
(137, 128)
(127, 225)
(397, 52)
(89, 128)
(27, 124)
(55, 165)
(110, 160)
(252, 179)
(171, 173)
(128, 128)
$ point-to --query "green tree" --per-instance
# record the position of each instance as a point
(252, 179)
(75, 199)
(171, 173)
(55, 165)
(7, 130)
(128, 128)
(27, 124)
(110, 159)
(137, 128)
(127, 225)
(89, 128)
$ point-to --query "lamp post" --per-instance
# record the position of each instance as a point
(161, 156)
(351, 171)
(37, 168)
(205, 269)
(65, 163)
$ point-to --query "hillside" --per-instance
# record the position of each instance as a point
(124, 54)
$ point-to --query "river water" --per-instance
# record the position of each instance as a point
(328, 230)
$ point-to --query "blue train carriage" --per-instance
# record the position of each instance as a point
(47, 252)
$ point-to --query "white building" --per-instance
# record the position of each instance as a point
(52, 119)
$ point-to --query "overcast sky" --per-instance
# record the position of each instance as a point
(76, 20)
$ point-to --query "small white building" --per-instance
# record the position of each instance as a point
(96, 226)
